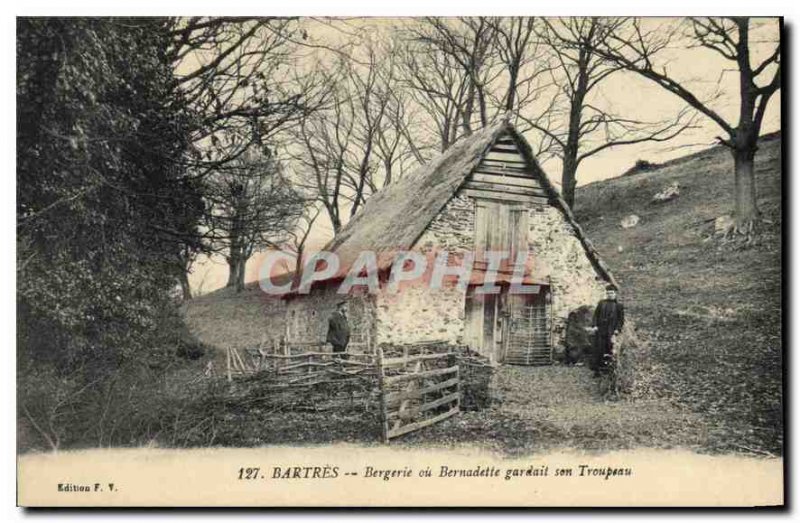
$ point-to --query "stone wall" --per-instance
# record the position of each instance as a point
(307, 316)
(417, 313)
(574, 281)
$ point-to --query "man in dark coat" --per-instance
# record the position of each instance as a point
(338, 328)
(609, 317)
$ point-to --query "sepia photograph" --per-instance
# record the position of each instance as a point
(409, 261)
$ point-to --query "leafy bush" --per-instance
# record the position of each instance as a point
(641, 166)
(104, 206)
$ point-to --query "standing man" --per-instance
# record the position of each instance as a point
(338, 328)
(609, 317)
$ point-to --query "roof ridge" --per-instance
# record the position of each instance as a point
(395, 217)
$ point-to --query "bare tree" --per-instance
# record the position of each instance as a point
(235, 73)
(238, 78)
(467, 72)
(468, 41)
(451, 64)
(525, 64)
(397, 147)
(322, 161)
(351, 148)
(437, 85)
(636, 48)
(253, 206)
(299, 236)
(575, 126)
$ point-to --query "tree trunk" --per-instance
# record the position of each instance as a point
(387, 168)
(512, 87)
(186, 289)
(482, 105)
(236, 273)
(745, 140)
(333, 214)
(240, 274)
(469, 107)
(568, 182)
(569, 169)
(298, 264)
(746, 212)
(569, 166)
(233, 270)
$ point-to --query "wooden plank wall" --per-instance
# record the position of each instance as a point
(505, 176)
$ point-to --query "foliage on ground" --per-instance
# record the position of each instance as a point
(540, 408)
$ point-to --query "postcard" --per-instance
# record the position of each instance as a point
(488, 261)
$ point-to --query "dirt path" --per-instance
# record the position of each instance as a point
(538, 408)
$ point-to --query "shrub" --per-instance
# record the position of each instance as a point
(632, 373)
(641, 166)
(103, 207)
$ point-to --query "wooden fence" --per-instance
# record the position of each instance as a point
(305, 368)
(417, 389)
(414, 386)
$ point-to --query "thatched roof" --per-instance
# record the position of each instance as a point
(395, 217)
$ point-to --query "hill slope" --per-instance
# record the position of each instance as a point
(712, 311)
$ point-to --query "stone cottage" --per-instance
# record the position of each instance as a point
(485, 193)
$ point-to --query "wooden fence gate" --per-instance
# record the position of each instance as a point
(417, 389)
(415, 386)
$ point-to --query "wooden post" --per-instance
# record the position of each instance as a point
(458, 385)
(382, 398)
(549, 303)
(286, 352)
(452, 361)
(228, 358)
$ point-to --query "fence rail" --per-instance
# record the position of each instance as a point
(412, 387)
(307, 368)
(417, 391)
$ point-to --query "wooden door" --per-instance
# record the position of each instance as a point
(482, 325)
(490, 326)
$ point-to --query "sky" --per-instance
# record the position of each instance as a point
(628, 94)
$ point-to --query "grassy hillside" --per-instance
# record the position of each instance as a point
(711, 310)
(225, 318)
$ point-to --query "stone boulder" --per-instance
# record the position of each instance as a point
(670, 192)
(629, 221)
(578, 339)
(723, 224)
